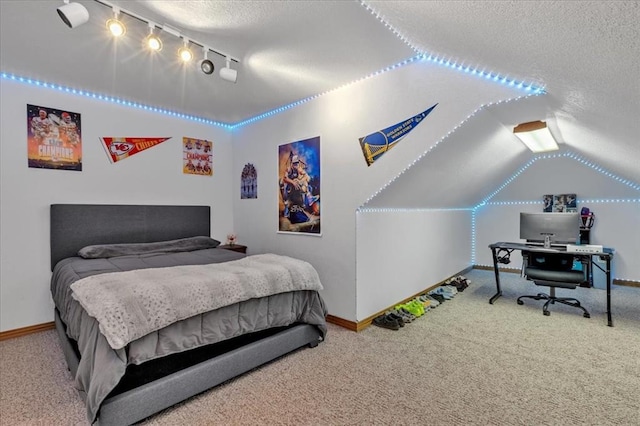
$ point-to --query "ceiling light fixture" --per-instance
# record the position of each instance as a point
(73, 14)
(116, 27)
(184, 52)
(536, 136)
(152, 41)
(205, 64)
(229, 74)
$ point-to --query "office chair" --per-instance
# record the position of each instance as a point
(553, 271)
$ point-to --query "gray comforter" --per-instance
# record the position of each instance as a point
(101, 367)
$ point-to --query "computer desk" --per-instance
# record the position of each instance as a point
(585, 257)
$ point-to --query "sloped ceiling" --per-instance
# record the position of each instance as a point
(584, 53)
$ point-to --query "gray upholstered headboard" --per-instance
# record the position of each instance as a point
(74, 226)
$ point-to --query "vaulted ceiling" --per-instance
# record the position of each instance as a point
(586, 54)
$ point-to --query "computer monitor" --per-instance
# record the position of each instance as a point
(550, 228)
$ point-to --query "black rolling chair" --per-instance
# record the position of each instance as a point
(553, 271)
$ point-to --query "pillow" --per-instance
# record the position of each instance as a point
(172, 246)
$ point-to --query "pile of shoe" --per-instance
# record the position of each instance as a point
(407, 312)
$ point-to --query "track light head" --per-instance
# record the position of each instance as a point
(228, 73)
(73, 14)
(205, 64)
(152, 41)
(184, 52)
(115, 26)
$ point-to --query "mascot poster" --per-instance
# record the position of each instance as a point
(299, 187)
(54, 139)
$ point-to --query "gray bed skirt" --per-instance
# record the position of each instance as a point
(141, 402)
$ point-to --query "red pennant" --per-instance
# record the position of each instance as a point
(121, 148)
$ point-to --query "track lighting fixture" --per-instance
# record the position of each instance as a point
(115, 26)
(205, 64)
(229, 74)
(152, 41)
(73, 14)
(184, 52)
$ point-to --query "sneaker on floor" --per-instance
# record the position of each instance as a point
(438, 297)
(434, 302)
(395, 316)
(444, 292)
(385, 322)
(406, 315)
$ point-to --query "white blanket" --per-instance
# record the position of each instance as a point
(131, 304)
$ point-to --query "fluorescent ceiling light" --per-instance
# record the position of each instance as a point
(536, 136)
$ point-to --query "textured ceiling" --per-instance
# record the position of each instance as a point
(585, 53)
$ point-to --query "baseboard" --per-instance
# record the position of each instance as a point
(627, 283)
(349, 325)
(19, 332)
(361, 325)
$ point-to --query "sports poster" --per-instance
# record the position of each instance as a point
(299, 187)
(249, 182)
(197, 157)
(54, 138)
(560, 203)
(377, 144)
(565, 203)
(119, 148)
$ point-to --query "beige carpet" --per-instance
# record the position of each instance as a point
(466, 362)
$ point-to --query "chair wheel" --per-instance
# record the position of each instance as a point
(586, 315)
(547, 313)
(520, 302)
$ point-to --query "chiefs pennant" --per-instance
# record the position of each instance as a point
(121, 148)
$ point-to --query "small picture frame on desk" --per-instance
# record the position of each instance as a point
(234, 247)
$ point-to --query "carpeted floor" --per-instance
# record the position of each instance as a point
(464, 363)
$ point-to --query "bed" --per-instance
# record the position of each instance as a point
(126, 373)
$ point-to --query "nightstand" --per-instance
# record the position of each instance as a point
(235, 247)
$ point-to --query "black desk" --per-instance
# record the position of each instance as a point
(585, 257)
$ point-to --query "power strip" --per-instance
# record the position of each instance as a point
(586, 248)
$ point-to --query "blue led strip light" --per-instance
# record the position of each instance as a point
(473, 236)
(407, 209)
(570, 155)
(441, 60)
(111, 99)
(585, 201)
(310, 98)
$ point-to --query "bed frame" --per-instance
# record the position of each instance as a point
(74, 226)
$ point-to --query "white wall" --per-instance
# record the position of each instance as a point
(400, 253)
(617, 224)
(151, 177)
(340, 118)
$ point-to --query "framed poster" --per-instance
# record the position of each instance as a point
(197, 157)
(54, 138)
(249, 182)
(299, 187)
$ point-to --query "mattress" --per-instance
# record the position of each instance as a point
(101, 369)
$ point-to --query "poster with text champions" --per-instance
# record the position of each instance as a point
(54, 138)
(377, 144)
(197, 157)
(299, 187)
(119, 148)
